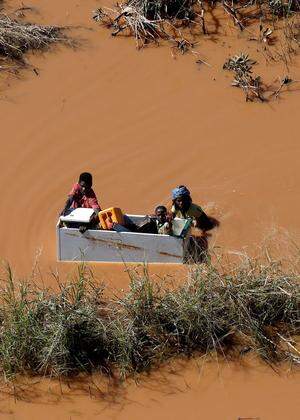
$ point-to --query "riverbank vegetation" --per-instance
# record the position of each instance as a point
(252, 306)
(17, 37)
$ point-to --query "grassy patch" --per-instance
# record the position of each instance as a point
(252, 306)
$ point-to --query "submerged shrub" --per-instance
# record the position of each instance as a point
(241, 65)
(17, 37)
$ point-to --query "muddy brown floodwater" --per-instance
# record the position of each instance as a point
(143, 122)
(191, 391)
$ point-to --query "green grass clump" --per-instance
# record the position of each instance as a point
(196, 317)
(46, 333)
(252, 306)
(73, 335)
(19, 327)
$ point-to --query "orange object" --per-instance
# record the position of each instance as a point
(109, 216)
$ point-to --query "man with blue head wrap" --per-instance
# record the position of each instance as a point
(184, 208)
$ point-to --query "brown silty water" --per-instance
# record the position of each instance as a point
(143, 122)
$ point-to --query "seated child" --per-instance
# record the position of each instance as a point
(163, 222)
(82, 195)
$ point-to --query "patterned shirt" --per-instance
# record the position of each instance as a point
(87, 199)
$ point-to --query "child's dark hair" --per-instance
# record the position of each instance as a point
(86, 177)
(163, 208)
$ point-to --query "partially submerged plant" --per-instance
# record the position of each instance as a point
(182, 46)
(139, 16)
(18, 37)
(253, 87)
(152, 20)
(285, 81)
(132, 19)
(241, 65)
(182, 22)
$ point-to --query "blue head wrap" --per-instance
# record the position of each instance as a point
(179, 192)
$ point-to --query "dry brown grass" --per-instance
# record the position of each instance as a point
(17, 37)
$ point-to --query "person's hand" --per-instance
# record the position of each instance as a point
(214, 222)
(64, 212)
(170, 217)
(82, 229)
(109, 223)
(95, 217)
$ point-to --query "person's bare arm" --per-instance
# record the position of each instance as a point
(68, 204)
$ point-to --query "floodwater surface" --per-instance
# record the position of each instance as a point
(143, 122)
(192, 390)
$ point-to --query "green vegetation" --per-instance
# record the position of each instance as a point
(248, 307)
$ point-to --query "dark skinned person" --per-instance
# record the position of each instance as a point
(83, 195)
(163, 222)
(184, 208)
